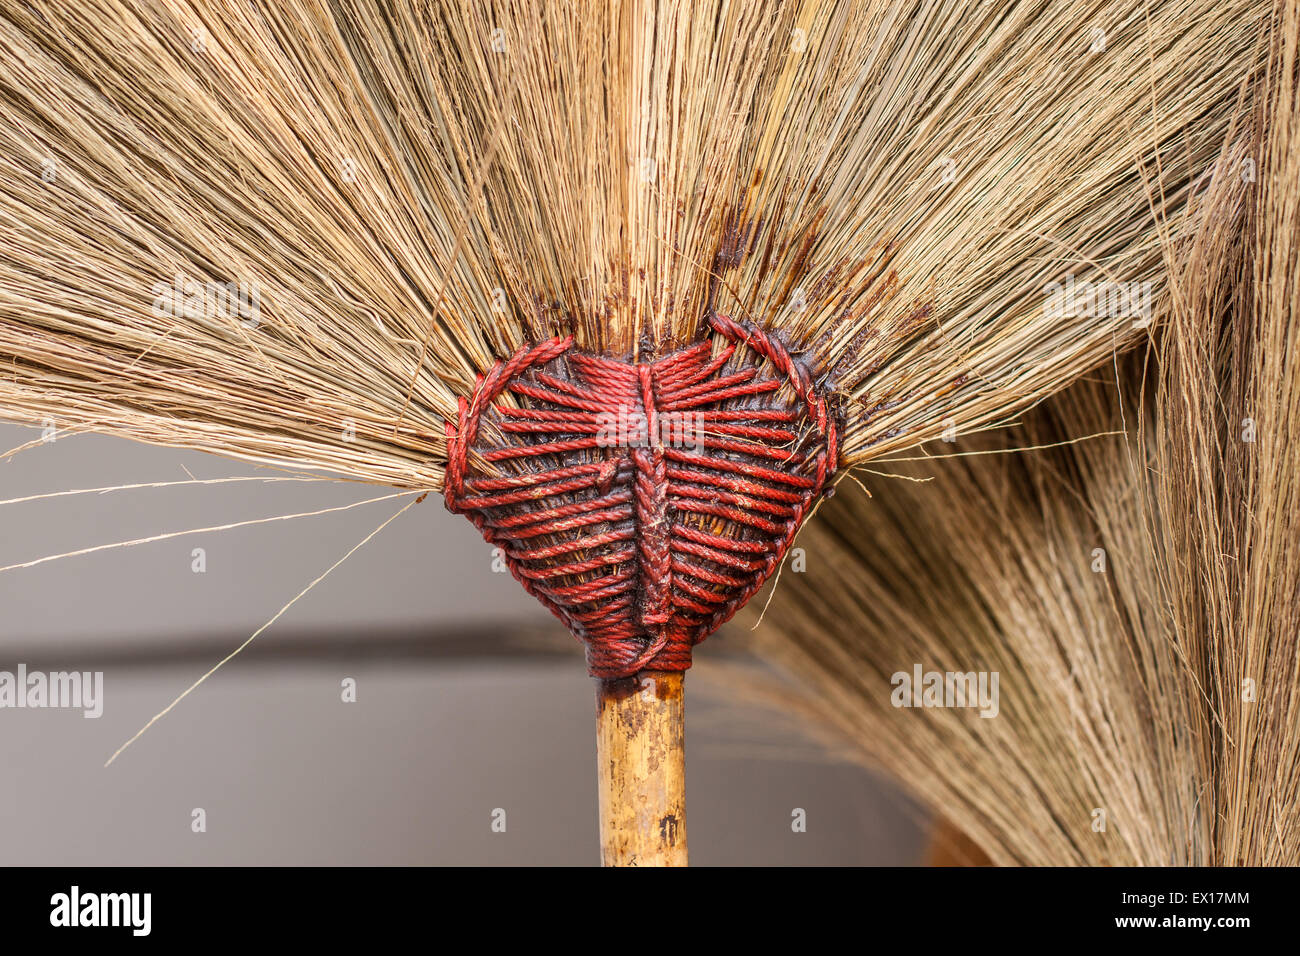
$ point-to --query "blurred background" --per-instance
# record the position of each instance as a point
(469, 697)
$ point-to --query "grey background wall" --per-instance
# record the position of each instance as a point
(467, 698)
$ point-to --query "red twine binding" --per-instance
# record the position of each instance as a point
(641, 547)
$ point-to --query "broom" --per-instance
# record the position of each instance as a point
(1136, 593)
(627, 282)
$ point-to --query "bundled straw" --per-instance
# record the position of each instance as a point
(1138, 595)
(424, 244)
(297, 232)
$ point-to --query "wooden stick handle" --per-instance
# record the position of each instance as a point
(641, 766)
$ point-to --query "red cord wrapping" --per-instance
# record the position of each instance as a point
(643, 549)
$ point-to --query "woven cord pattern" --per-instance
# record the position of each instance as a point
(642, 542)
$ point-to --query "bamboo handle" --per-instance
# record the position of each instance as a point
(641, 766)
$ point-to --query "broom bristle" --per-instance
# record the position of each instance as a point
(409, 192)
(307, 233)
(1137, 597)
